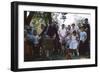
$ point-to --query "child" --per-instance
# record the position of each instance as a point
(27, 47)
(83, 37)
(74, 28)
(67, 40)
(73, 45)
(36, 47)
(35, 37)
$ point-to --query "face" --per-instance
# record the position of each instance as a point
(63, 26)
(86, 21)
(74, 33)
(73, 25)
(35, 32)
(29, 30)
(69, 26)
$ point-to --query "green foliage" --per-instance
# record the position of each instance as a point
(41, 18)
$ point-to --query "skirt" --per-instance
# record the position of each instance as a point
(73, 44)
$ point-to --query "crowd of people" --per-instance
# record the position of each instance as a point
(72, 40)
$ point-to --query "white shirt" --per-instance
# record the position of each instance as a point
(62, 32)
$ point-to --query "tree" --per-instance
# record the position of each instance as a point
(27, 19)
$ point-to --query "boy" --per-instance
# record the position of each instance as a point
(83, 37)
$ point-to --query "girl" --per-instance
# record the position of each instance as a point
(73, 45)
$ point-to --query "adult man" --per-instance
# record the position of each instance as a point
(87, 42)
(62, 33)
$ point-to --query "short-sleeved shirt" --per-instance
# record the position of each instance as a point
(83, 36)
(62, 32)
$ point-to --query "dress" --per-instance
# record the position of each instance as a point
(74, 43)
